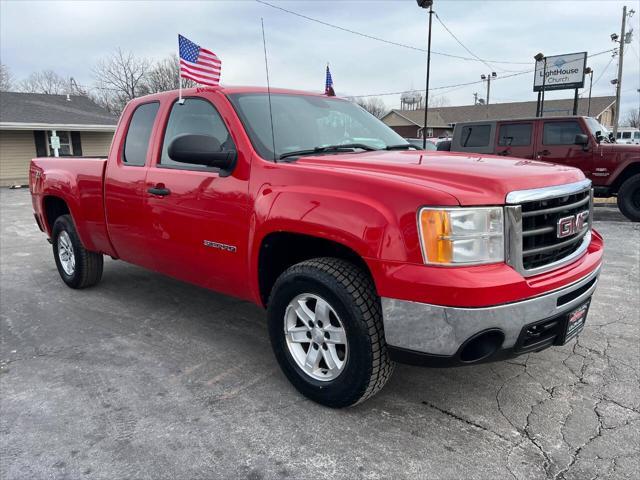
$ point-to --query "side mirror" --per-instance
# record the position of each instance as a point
(202, 150)
(581, 139)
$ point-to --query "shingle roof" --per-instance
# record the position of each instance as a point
(470, 113)
(39, 108)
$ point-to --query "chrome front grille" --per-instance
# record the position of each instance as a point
(548, 227)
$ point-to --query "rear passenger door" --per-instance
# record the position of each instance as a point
(515, 139)
(124, 189)
(557, 145)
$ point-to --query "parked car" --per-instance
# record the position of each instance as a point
(418, 143)
(363, 252)
(579, 142)
(628, 135)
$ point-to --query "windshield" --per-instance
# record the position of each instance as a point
(597, 130)
(305, 122)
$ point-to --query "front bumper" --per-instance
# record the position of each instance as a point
(421, 333)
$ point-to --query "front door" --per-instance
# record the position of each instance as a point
(200, 221)
(557, 145)
(515, 139)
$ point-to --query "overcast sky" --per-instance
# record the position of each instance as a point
(70, 37)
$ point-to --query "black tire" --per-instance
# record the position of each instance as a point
(88, 265)
(629, 198)
(351, 294)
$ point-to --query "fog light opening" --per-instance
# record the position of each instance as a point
(481, 346)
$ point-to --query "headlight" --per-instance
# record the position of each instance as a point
(461, 236)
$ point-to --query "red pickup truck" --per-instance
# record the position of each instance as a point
(363, 250)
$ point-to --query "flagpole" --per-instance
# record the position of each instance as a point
(180, 100)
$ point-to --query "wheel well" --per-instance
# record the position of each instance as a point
(53, 208)
(281, 250)
(628, 172)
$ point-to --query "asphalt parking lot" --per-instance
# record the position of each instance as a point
(146, 377)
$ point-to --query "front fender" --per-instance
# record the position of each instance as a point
(361, 223)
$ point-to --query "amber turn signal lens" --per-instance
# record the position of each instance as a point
(436, 230)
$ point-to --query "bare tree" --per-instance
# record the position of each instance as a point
(6, 79)
(439, 101)
(633, 118)
(164, 75)
(374, 105)
(46, 81)
(120, 77)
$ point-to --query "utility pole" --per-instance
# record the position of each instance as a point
(475, 98)
(620, 61)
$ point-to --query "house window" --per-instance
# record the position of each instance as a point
(66, 149)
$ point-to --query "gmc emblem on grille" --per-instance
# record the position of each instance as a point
(568, 226)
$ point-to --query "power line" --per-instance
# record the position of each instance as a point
(503, 77)
(491, 67)
(390, 42)
(603, 71)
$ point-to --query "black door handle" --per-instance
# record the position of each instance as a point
(160, 191)
(544, 153)
(504, 153)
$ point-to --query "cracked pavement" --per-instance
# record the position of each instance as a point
(146, 377)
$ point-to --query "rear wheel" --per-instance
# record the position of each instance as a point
(78, 267)
(629, 198)
(325, 325)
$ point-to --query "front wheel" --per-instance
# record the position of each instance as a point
(325, 325)
(629, 198)
(78, 267)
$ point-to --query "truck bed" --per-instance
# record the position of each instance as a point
(80, 181)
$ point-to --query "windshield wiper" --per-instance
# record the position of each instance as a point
(401, 146)
(327, 149)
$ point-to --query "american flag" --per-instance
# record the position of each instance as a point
(197, 63)
(328, 85)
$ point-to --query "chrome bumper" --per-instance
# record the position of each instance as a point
(438, 330)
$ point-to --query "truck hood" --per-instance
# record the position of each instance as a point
(625, 148)
(471, 179)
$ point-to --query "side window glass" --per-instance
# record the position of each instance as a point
(136, 143)
(476, 135)
(560, 133)
(515, 134)
(198, 117)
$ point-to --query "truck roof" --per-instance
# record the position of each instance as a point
(489, 120)
(186, 92)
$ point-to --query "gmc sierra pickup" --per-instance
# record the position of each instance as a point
(363, 250)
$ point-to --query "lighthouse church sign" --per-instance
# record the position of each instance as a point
(561, 72)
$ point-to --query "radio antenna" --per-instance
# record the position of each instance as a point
(266, 67)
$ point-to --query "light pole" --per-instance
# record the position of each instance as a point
(488, 78)
(589, 71)
(427, 4)
(541, 58)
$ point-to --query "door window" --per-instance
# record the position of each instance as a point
(137, 142)
(194, 116)
(515, 134)
(476, 135)
(560, 133)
